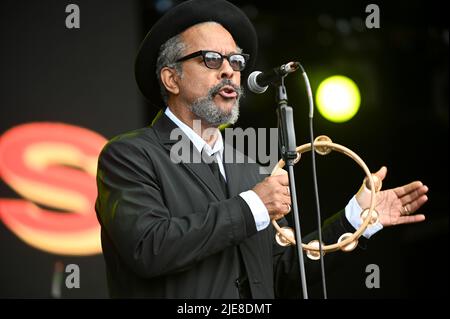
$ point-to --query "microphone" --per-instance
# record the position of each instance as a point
(258, 81)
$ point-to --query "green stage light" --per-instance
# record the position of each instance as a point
(338, 98)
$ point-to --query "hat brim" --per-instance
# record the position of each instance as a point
(180, 18)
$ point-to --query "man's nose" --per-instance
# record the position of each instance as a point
(226, 71)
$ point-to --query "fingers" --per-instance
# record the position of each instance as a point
(279, 171)
(280, 188)
(378, 177)
(411, 219)
(278, 210)
(275, 195)
(381, 174)
(281, 202)
(408, 188)
(415, 204)
(413, 200)
(414, 195)
(277, 216)
(281, 179)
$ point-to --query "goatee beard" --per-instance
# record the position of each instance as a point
(208, 111)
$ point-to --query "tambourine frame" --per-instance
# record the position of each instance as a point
(323, 145)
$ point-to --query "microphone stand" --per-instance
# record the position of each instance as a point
(289, 154)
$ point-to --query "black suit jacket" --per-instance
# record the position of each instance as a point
(168, 231)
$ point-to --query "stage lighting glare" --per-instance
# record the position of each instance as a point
(338, 98)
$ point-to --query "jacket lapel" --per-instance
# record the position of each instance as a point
(163, 127)
(232, 171)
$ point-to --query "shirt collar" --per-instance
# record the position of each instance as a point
(196, 139)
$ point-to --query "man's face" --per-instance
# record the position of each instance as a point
(198, 80)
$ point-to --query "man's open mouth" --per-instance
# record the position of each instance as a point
(228, 92)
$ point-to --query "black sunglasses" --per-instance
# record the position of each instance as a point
(214, 60)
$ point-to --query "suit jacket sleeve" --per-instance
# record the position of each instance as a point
(143, 231)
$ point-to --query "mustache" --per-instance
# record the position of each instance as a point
(226, 82)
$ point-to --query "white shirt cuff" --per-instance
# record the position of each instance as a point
(353, 214)
(258, 209)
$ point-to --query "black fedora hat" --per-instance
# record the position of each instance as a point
(180, 18)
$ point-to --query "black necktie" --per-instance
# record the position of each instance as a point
(241, 282)
(214, 166)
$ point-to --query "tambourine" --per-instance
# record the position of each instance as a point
(348, 241)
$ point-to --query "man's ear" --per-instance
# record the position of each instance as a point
(170, 78)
